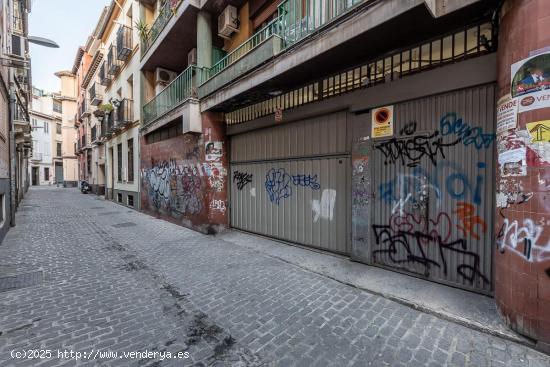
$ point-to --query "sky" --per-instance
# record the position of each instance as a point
(67, 22)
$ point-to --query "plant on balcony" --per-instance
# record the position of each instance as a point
(106, 108)
(143, 30)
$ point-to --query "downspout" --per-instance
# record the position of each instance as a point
(12, 169)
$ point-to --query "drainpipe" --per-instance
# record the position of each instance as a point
(12, 158)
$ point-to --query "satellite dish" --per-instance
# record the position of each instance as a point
(43, 42)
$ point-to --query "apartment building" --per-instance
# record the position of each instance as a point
(82, 116)
(44, 137)
(64, 109)
(362, 127)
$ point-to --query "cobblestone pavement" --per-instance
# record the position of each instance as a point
(110, 279)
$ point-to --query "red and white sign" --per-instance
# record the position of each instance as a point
(534, 101)
(507, 113)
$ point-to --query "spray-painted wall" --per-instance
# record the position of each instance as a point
(522, 251)
(184, 178)
(422, 197)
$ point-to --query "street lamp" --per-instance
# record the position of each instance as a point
(43, 41)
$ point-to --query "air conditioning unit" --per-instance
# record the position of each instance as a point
(17, 45)
(163, 77)
(228, 22)
(192, 57)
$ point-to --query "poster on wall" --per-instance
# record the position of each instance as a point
(513, 162)
(539, 131)
(213, 150)
(507, 113)
(382, 122)
(531, 82)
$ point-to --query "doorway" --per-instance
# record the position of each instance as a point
(35, 176)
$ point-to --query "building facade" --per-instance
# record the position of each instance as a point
(44, 138)
(15, 92)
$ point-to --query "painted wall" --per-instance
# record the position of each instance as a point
(178, 183)
(522, 251)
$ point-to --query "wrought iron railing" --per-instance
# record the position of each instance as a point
(165, 14)
(113, 63)
(124, 45)
(95, 94)
(94, 134)
(125, 112)
(104, 77)
(183, 87)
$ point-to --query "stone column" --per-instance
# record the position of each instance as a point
(522, 255)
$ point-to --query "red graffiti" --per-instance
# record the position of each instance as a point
(407, 222)
(469, 221)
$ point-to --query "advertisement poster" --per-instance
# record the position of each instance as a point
(507, 114)
(513, 162)
(531, 82)
(539, 131)
(213, 150)
(382, 122)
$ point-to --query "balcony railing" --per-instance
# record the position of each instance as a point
(19, 114)
(84, 109)
(104, 77)
(94, 134)
(113, 63)
(175, 93)
(36, 156)
(165, 13)
(124, 42)
(95, 94)
(125, 113)
(296, 19)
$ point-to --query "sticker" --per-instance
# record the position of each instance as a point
(213, 150)
(382, 122)
(539, 131)
(507, 113)
(513, 162)
(278, 115)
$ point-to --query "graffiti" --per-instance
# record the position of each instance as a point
(447, 178)
(451, 124)
(410, 151)
(278, 184)
(325, 208)
(218, 205)
(414, 248)
(469, 221)
(306, 181)
(408, 222)
(522, 241)
(242, 179)
(408, 129)
(216, 183)
(360, 191)
(174, 188)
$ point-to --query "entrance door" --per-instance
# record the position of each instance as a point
(434, 184)
(35, 176)
(110, 190)
(58, 172)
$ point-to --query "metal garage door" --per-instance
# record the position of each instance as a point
(292, 182)
(434, 187)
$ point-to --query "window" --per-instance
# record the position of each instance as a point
(131, 200)
(46, 127)
(89, 163)
(57, 107)
(119, 161)
(130, 160)
(119, 197)
(34, 122)
(46, 173)
(58, 151)
(58, 128)
(131, 87)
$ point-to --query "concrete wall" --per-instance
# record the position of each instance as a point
(522, 254)
(178, 183)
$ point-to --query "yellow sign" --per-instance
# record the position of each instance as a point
(539, 131)
(382, 122)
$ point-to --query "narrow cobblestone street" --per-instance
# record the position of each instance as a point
(104, 278)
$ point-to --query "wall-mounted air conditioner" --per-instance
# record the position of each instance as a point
(192, 57)
(163, 77)
(228, 22)
(17, 46)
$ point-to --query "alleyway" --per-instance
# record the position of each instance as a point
(101, 277)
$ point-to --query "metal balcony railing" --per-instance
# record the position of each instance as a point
(110, 122)
(36, 156)
(19, 114)
(104, 77)
(125, 113)
(113, 63)
(165, 14)
(94, 135)
(124, 45)
(296, 19)
(95, 94)
(175, 93)
(84, 109)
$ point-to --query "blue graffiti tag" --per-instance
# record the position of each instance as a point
(305, 181)
(277, 184)
(452, 124)
(455, 183)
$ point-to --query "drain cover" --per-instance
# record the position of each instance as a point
(123, 225)
(20, 281)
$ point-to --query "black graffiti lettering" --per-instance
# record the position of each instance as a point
(408, 129)
(241, 179)
(410, 151)
(409, 247)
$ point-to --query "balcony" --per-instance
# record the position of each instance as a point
(95, 94)
(36, 157)
(179, 91)
(165, 14)
(124, 113)
(124, 43)
(84, 109)
(104, 77)
(113, 63)
(110, 124)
